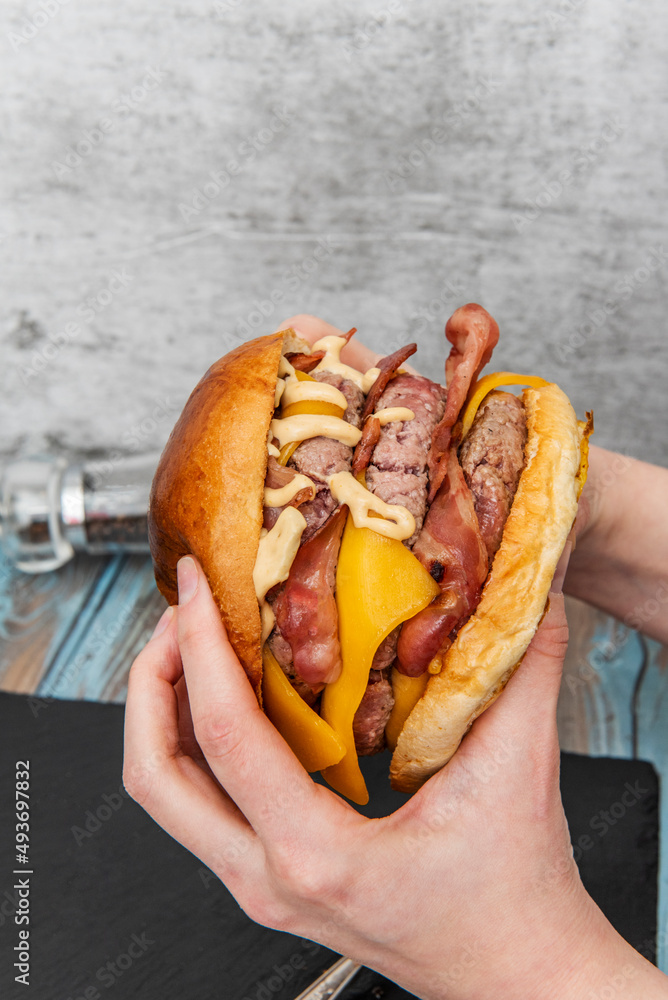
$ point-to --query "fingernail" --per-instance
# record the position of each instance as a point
(188, 578)
(163, 623)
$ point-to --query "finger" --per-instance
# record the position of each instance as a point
(526, 711)
(187, 738)
(311, 329)
(355, 353)
(543, 662)
(246, 754)
(166, 782)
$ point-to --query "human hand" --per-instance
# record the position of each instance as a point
(469, 890)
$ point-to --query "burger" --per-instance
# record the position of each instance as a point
(380, 547)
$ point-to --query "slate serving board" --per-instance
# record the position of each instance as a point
(119, 909)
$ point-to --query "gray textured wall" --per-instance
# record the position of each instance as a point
(437, 153)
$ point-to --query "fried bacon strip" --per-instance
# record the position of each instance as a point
(451, 548)
(389, 366)
(305, 608)
(366, 445)
(305, 362)
(473, 334)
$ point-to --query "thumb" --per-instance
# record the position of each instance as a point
(532, 693)
(526, 712)
(206, 651)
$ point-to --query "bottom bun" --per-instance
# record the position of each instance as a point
(490, 646)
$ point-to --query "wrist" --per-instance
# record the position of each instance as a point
(563, 943)
(595, 524)
(577, 957)
(560, 948)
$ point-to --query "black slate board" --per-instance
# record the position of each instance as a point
(128, 895)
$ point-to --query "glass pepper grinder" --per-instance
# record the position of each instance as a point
(50, 509)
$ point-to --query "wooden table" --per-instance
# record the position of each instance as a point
(74, 633)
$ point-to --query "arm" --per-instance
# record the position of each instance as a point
(620, 560)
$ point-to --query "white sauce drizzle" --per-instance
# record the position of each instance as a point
(268, 618)
(308, 425)
(278, 391)
(277, 550)
(285, 368)
(392, 413)
(395, 521)
(284, 494)
(368, 379)
(271, 448)
(332, 346)
(298, 392)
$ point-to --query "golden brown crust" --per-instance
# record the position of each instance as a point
(491, 645)
(206, 497)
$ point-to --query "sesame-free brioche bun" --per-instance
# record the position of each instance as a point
(207, 492)
(490, 646)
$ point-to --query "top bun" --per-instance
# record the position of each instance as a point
(206, 497)
(490, 646)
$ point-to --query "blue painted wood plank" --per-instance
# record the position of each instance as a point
(95, 661)
(37, 614)
(604, 659)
